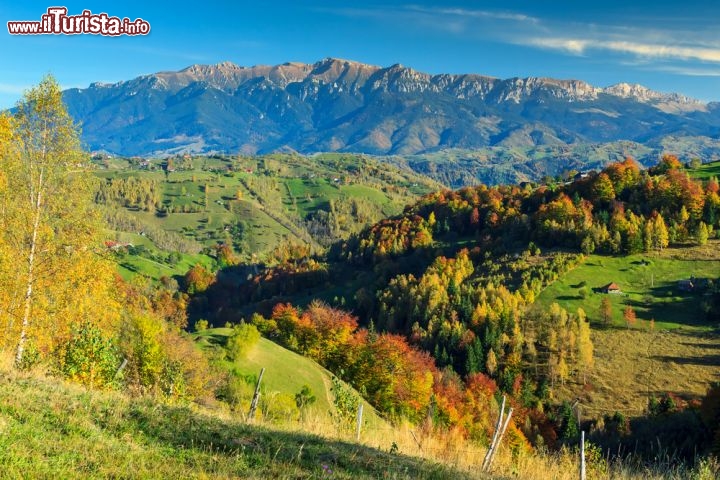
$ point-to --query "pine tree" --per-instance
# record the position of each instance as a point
(702, 234)
(660, 233)
(606, 311)
(585, 345)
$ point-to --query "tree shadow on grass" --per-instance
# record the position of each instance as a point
(705, 360)
(569, 297)
(709, 346)
(675, 436)
(269, 453)
(683, 307)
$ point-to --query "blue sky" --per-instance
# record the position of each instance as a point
(665, 45)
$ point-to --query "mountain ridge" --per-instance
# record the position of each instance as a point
(342, 105)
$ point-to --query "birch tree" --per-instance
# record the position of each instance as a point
(50, 226)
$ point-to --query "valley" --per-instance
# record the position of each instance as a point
(425, 287)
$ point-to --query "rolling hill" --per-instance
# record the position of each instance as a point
(255, 204)
(458, 265)
(287, 373)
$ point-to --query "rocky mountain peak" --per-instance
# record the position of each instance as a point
(341, 105)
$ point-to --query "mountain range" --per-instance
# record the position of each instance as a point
(340, 105)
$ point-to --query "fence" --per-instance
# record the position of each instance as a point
(446, 447)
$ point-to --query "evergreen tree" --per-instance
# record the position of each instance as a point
(661, 238)
(606, 312)
(702, 234)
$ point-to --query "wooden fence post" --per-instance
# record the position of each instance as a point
(121, 368)
(498, 426)
(582, 455)
(359, 421)
(499, 439)
(256, 396)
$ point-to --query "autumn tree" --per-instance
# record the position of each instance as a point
(50, 226)
(629, 316)
(648, 235)
(491, 363)
(702, 233)
(668, 162)
(606, 312)
(585, 345)
(661, 237)
(603, 189)
(475, 218)
(198, 279)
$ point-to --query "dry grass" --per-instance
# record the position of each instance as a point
(52, 429)
(632, 365)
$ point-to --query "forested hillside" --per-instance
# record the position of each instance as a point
(457, 276)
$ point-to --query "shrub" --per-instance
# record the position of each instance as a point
(279, 407)
(346, 403)
(30, 358)
(305, 397)
(236, 391)
(88, 357)
(244, 337)
(141, 344)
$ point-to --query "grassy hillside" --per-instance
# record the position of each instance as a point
(633, 365)
(149, 260)
(706, 171)
(257, 203)
(678, 355)
(287, 372)
(56, 430)
(52, 429)
(649, 284)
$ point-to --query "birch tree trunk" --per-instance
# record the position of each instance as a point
(30, 278)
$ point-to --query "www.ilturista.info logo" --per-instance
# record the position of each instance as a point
(57, 22)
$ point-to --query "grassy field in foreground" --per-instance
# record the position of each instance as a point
(649, 283)
(52, 429)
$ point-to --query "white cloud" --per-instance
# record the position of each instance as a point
(665, 51)
(12, 89)
(567, 44)
(654, 50)
(690, 71)
(458, 21)
(656, 47)
(489, 14)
